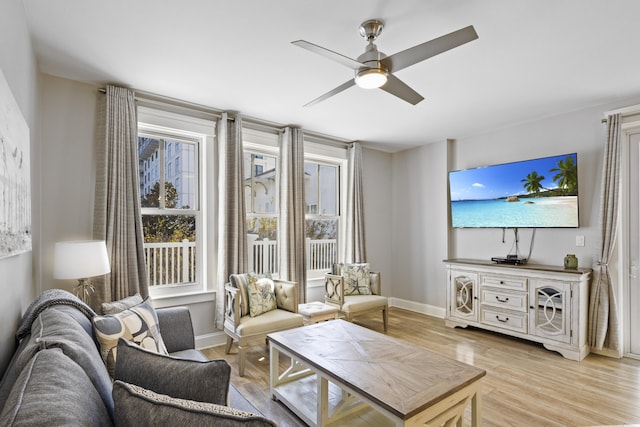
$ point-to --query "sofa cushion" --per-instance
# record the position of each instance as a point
(187, 379)
(55, 328)
(137, 406)
(261, 296)
(356, 279)
(52, 390)
(114, 307)
(138, 324)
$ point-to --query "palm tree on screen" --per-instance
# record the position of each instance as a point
(566, 175)
(532, 183)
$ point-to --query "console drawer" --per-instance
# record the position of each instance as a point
(507, 320)
(511, 282)
(501, 298)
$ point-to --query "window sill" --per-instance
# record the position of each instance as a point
(162, 301)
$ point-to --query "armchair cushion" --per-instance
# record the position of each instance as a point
(137, 406)
(275, 320)
(356, 279)
(186, 379)
(355, 303)
(261, 296)
(138, 324)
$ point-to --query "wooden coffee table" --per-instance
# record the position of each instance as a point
(338, 370)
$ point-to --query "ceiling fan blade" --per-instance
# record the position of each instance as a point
(343, 86)
(397, 87)
(426, 50)
(344, 60)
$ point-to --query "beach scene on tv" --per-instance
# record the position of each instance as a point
(532, 193)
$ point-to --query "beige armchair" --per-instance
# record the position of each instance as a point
(348, 291)
(241, 327)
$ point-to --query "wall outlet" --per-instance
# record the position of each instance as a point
(579, 240)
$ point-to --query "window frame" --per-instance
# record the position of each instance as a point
(200, 132)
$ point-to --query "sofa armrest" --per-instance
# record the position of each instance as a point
(176, 328)
(375, 282)
(286, 295)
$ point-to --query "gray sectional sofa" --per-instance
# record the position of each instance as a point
(57, 375)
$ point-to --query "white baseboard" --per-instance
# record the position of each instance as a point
(213, 339)
(429, 310)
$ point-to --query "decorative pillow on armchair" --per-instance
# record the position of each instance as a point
(138, 324)
(356, 279)
(241, 282)
(262, 297)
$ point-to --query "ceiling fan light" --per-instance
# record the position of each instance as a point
(371, 78)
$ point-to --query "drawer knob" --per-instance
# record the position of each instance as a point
(503, 320)
(502, 282)
(506, 299)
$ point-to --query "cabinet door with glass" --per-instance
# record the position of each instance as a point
(463, 295)
(550, 309)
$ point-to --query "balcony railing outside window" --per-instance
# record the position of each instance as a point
(174, 263)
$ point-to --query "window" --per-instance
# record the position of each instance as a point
(170, 216)
(322, 194)
(325, 167)
(171, 152)
(261, 198)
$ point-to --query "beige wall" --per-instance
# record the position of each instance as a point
(68, 125)
(421, 238)
(17, 281)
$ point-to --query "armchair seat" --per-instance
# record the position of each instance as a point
(354, 295)
(361, 303)
(243, 328)
(268, 322)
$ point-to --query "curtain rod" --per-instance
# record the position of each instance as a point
(152, 98)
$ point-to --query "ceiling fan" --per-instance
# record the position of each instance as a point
(373, 69)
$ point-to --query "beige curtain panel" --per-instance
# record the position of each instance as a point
(355, 241)
(291, 240)
(232, 225)
(117, 218)
(604, 323)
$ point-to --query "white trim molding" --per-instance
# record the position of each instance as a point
(429, 310)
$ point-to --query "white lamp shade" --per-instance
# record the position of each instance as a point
(80, 259)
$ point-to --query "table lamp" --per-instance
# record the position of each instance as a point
(80, 260)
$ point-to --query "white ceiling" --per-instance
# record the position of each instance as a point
(533, 58)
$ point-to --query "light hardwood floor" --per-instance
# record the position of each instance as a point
(525, 385)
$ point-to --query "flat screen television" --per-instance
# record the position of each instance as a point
(535, 193)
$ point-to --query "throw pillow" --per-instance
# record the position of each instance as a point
(114, 307)
(137, 406)
(138, 324)
(186, 379)
(241, 282)
(261, 295)
(356, 279)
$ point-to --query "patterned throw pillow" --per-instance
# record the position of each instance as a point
(138, 324)
(356, 279)
(241, 282)
(261, 295)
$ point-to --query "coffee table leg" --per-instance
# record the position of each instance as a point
(274, 366)
(476, 409)
(323, 400)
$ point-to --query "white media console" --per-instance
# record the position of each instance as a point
(542, 303)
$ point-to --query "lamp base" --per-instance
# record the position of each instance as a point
(83, 290)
